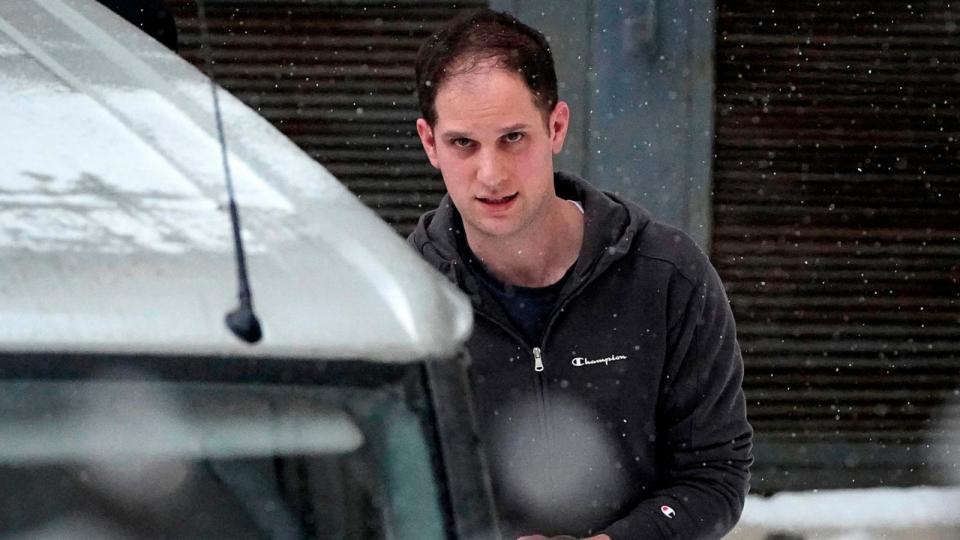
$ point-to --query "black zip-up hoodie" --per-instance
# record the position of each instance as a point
(628, 416)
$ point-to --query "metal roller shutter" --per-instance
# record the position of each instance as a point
(337, 78)
(837, 233)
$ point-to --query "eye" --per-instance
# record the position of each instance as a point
(462, 142)
(513, 137)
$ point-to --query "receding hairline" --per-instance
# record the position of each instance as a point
(486, 36)
(475, 64)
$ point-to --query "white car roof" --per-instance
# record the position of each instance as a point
(114, 234)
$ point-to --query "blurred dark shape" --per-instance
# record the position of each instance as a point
(783, 536)
(152, 16)
(244, 323)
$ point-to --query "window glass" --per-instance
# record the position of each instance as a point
(121, 459)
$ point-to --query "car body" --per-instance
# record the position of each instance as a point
(127, 408)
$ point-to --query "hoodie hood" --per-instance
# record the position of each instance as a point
(610, 226)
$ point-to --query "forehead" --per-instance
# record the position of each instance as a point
(485, 94)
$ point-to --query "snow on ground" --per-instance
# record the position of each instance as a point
(850, 509)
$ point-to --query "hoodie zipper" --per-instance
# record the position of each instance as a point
(538, 366)
(537, 360)
(542, 416)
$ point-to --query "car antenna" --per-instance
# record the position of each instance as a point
(242, 321)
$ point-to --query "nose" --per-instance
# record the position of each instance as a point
(491, 170)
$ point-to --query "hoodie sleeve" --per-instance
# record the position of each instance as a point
(705, 439)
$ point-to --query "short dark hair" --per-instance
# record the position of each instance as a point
(481, 36)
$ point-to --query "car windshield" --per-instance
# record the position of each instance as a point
(108, 458)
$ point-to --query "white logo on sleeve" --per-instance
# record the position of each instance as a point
(667, 511)
(581, 361)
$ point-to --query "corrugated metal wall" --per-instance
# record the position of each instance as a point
(337, 78)
(837, 232)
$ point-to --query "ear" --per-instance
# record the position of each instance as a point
(428, 141)
(559, 122)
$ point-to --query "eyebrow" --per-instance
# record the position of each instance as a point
(461, 135)
(515, 127)
(454, 135)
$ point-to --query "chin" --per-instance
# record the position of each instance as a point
(494, 229)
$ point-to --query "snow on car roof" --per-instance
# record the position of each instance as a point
(113, 230)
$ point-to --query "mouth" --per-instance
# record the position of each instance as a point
(497, 201)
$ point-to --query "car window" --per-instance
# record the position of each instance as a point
(133, 458)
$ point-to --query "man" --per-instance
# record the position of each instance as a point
(605, 365)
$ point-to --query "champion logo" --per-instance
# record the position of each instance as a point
(667, 511)
(581, 361)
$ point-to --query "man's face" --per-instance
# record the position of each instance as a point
(495, 150)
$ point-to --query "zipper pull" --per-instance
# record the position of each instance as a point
(537, 359)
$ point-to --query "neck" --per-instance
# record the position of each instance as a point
(539, 257)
